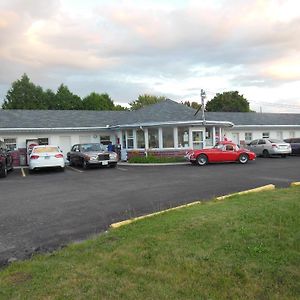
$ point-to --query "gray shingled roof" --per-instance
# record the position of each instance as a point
(166, 111)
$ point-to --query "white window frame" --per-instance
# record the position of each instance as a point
(266, 135)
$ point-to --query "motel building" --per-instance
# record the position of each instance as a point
(165, 129)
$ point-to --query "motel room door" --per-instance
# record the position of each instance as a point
(198, 139)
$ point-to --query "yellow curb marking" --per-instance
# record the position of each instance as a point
(259, 189)
(23, 172)
(297, 183)
(122, 223)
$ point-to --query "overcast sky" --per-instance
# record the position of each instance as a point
(172, 48)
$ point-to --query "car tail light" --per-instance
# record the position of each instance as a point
(34, 157)
(59, 156)
(274, 145)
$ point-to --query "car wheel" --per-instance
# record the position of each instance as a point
(3, 171)
(266, 153)
(243, 158)
(283, 155)
(84, 164)
(202, 160)
(113, 165)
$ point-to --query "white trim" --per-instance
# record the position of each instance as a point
(192, 122)
(265, 126)
(53, 129)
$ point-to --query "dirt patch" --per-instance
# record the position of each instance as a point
(18, 278)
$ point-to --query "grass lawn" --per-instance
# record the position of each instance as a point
(246, 247)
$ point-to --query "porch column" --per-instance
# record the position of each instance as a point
(213, 136)
(146, 138)
(175, 135)
(160, 138)
(134, 139)
(221, 134)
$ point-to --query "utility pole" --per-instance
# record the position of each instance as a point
(203, 96)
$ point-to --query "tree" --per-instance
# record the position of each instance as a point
(228, 101)
(193, 104)
(96, 101)
(64, 99)
(120, 107)
(144, 100)
(24, 95)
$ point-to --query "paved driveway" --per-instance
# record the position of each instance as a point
(46, 210)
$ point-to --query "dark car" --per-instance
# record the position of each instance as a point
(91, 154)
(295, 144)
(6, 160)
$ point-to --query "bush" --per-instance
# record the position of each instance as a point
(155, 159)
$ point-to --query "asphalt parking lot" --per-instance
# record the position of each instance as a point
(48, 209)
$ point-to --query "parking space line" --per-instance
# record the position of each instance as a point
(122, 169)
(74, 169)
(23, 172)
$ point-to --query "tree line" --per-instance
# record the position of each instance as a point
(24, 94)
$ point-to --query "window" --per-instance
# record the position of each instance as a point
(248, 136)
(261, 142)
(129, 139)
(253, 143)
(104, 139)
(140, 138)
(183, 137)
(266, 135)
(124, 139)
(153, 137)
(11, 144)
(43, 141)
(208, 137)
(168, 137)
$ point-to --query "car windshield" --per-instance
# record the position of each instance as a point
(45, 149)
(275, 141)
(91, 147)
(218, 146)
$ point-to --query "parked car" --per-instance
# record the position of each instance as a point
(295, 145)
(222, 152)
(91, 154)
(267, 147)
(6, 160)
(46, 156)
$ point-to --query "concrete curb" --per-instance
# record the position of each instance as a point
(126, 222)
(296, 183)
(152, 164)
(258, 189)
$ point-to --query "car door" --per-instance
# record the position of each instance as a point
(261, 145)
(228, 153)
(253, 146)
(74, 155)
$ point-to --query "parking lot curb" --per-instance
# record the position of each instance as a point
(296, 183)
(152, 164)
(126, 222)
(267, 187)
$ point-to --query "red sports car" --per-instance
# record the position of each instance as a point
(222, 152)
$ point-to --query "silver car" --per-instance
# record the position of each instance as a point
(267, 147)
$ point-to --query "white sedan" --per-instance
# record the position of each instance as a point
(46, 157)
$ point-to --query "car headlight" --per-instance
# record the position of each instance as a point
(112, 155)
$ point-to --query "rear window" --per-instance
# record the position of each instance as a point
(275, 141)
(45, 149)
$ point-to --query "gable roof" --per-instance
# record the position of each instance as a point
(165, 112)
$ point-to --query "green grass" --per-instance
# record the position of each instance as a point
(155, 159)
(246, 247)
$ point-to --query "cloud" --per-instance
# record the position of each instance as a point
(169, 47)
